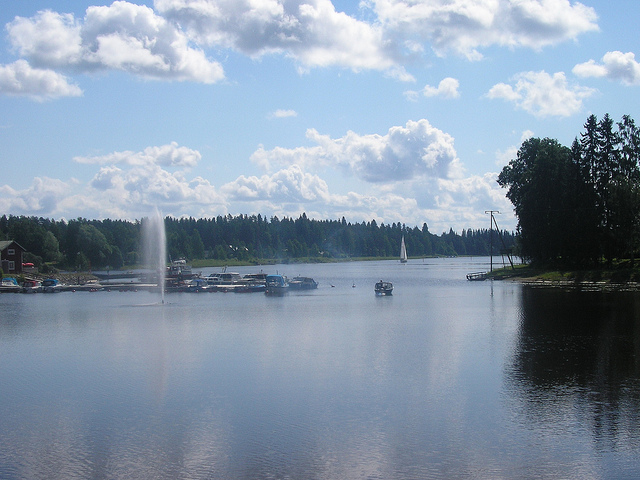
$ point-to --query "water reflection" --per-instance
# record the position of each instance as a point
(577, 364)
(445, 379)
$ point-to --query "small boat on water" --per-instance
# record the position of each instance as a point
(51, 285)
(477, 276)
(250, 288)
(384, 288)
(31, 286)
(197, 285)
(276, 285)
(302, 283)
(252, 283)
(9, 284)
(224, 281)
(403, 251)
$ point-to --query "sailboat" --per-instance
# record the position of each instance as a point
(403, 252)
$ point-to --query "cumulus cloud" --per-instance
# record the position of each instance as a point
(170, 155)
(40, 198)
(465, 26)
(442, 203)
(117, 190)
(20, 79)
(543, 95)
(447, 88)
(285, 186)
(311, 32)
(125, 185)
(122, 36)
(615, 66)
(416, 149)
(130, 190)
(165, 43)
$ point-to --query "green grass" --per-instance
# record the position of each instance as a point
(618, 272)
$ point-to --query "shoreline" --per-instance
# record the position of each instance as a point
(614, 279)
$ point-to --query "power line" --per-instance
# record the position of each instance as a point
(491, 221)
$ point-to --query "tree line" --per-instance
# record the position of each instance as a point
(82, 244)
(578, 206)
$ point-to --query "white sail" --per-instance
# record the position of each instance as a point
(403, 251)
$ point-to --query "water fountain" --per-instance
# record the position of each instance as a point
(155, 247)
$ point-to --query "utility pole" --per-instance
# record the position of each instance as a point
(491, 212)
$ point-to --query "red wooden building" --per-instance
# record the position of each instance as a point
(11, 257)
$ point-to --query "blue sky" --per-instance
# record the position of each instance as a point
(393, 110)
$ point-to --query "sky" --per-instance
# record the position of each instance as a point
(398, 111)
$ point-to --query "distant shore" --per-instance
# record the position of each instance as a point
(618, 277)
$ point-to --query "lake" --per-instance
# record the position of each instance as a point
(444, 379)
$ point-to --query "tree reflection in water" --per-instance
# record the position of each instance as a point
(577, 362)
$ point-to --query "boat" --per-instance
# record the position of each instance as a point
(276, 285)
(51, 285)
(179, 269)
(252, 283)
(403, 251)
(255, 278)
(302, 283)
(477, 276)
(384, 288)
(250, 288)
(197, 285)
(31, 286)
(9, 284)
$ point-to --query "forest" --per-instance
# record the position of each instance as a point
(579, 206)
(82, 244)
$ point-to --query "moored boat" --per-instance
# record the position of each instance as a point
(477, 276)
(31, 286)
(302, 283)
(9, 284)
(197, 285)
(51, 285)
(276, 285)
(179, 269)
(383, 288)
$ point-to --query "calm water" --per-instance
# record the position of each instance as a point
(445, 379)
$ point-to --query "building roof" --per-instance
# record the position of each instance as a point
(5, 244)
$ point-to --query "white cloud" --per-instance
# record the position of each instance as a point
(135, 39)
(123, 36)
(41, 198)
(441, 203)
(464, 26)
(170, 155)
(542, 94)
(283, 114)
(615, 66)
(126, 185)
(447, 88)
(416, 149)
(20, 79)
(504, 157)
(290, 185)
(311, 32)
(130, 192)
(125, 190)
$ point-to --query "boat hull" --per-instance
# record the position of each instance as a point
(383, 288)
